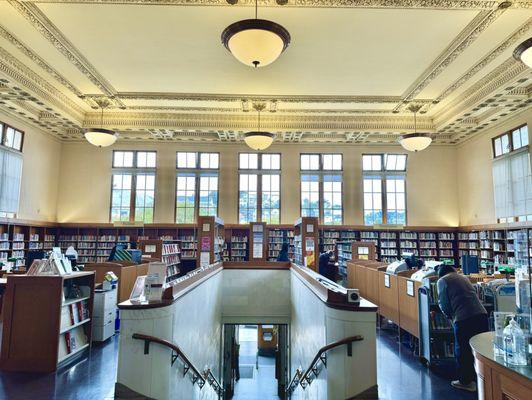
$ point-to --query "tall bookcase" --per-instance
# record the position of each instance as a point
(276, 237)
(47, 320)
(306, 242)
(211, 240)
(167, 251)
(236, 247)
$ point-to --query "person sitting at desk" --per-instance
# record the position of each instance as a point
(324, 265)
(459, 302)
(283, 254)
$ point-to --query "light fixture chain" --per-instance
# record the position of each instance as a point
(256, 8)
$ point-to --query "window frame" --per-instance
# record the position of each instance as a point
(3, 135)
(383, 174)
(198, 172)
(321, 172)
(508, 133)
(133, 171)
(260, 172)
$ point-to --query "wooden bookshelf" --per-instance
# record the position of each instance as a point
(211, 240)
(95, 241)
(306, 242)
(41, 330)
(166, 250)
(258, 248)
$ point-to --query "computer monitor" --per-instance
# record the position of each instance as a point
(34, 255)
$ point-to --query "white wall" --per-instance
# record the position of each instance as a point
(85, 181)
(195, 320)
(474, 172)
(313, 326)
(40, 172)
(256, 296)
(193, 323)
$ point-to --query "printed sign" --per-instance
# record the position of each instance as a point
(386, 280)
(205, 243)
(410, 288)
(310, 258)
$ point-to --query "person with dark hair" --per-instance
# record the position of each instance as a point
(324, 265)
(283, 254)
(459, 302)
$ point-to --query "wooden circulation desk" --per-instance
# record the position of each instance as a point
(126, 271)
(396, 295)
(495, 379)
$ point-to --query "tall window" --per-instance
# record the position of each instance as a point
(196, 185)
(512, 180)
(10, 169)
(259, 189)
(133, 186)
(384, 186)
(321, 187)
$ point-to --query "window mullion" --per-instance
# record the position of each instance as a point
(197, 179)
(384, 199)
(133, 196)
(320, 197)
(259, 195)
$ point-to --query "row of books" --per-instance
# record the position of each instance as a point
(171, 248)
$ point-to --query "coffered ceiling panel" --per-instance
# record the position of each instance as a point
(505, 30)
(349, 74)
(333, 51)
(16, 30)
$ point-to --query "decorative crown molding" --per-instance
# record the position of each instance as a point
(466, 37)
(40, 22)
(511, 40)
(406, 4)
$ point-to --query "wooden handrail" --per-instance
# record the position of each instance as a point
(201, 378)
(305, 378)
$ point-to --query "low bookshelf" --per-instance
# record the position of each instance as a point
(47, 320)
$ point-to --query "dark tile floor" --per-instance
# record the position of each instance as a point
(400, 376)
(90, 378)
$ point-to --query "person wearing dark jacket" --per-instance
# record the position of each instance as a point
(459, 302)
(283, 254)
(324, 264)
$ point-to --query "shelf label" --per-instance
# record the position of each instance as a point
(410, 288)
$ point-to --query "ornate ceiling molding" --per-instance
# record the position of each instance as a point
(466, 37)
(502, 76)
(218, 97)
(272, 122)
(407, 4)
(4, 33)
(511, 40)
(31, 81)
(40, 22)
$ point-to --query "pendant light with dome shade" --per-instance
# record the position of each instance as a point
(101, 137)
(415, 141)
(258, 140)
(255, 42)
(523, 52)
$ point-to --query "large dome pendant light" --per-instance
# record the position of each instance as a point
(258, 140)
(523, 52)
(101, 137)
(415, 141)
(256, 42)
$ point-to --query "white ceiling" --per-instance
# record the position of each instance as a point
(162, 64)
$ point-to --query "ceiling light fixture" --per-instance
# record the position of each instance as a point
(415, 141)
(256, 42)
(101, 137)
(258, 140)
(523, 52)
